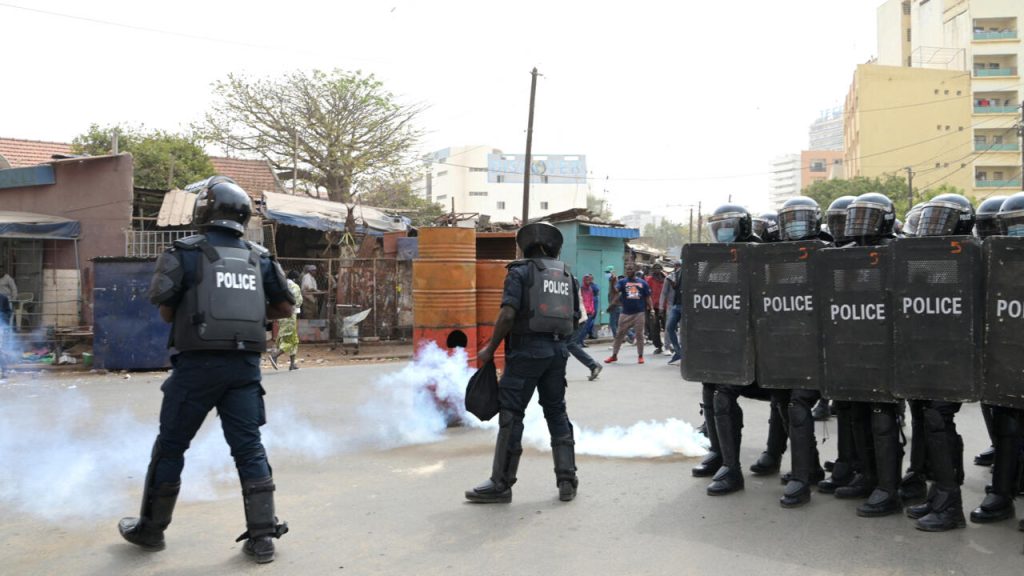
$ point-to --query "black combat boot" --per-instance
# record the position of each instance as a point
(987, 457)
(842, 475)
(998, 503)
(498, 489)
(803, 454)
(885, 499)
(713, 460)
(147, 531)
(947, 512)
(261, 522)
(923, 509)
(729, 422)
(564, 454)
(770, 460)
(860, 486)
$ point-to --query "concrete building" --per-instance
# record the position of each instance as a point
(820, 165)
(826, 133)
(982, 40)
(639, 219)
(899, 117)
(487, 181)
(785, 175)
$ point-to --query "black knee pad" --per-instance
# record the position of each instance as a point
(933, 421)
(883, 420)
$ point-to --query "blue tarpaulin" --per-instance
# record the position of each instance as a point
(37, 226)
(610, 232)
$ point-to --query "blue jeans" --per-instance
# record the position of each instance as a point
(587, 329)
(575, 347)
(675, 314)
(613, 319)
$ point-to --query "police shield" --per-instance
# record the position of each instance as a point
(1003, 357)
(856, 324)
(786, 332)
(717, 341)
(937, 318)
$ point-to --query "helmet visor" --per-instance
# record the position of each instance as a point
(938, 220)
(798, 224)
(759, 226)
(986, 227)
(864, 220)
(725, 227)
(1011, 223)
(837, 224)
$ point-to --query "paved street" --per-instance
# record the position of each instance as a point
(359, 501)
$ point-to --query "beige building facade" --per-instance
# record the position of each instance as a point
(980, 39)
(899, 117)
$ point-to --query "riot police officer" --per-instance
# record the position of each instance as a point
(985, 225)
(766, 226)
(870, 221)
(847, 462)
(729, 223)
(1004, 423)
(538, 307)
(218, 291)
(944, 215)
(913, 218)
(800, 219)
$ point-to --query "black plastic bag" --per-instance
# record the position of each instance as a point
(482, 392)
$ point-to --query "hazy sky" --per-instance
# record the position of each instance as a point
(671, 102)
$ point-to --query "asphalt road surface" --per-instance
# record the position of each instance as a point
(73, 452)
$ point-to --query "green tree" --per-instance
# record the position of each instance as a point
(162, 160)
(397, 195)
(895, 187)
(334, 129)
(666, 234)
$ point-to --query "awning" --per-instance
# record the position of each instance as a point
(324, 215)
(37, 226)
(612, 231)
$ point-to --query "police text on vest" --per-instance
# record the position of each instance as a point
(236, 280)
(554, 287)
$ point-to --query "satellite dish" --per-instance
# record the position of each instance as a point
(4, 164)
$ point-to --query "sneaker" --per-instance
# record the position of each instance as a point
(657, 351)
(640, 360)
(675, 358)
(611, 359)
(594, 372)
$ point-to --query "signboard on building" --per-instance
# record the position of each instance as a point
(544, 169)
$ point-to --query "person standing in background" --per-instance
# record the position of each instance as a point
(309, 290)
(288, 328)
(672, 301)
(591, 297)
(655, 313)
(614, 302)
(576, 344)
(636, 297)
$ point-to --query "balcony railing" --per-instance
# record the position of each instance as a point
(994, 72)
(978, 147)
(997, 184)
(995, 109)
(1001, 35)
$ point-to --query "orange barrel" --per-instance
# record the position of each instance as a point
(444, 290)
(490, 283)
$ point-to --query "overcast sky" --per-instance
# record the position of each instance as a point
(671, 102)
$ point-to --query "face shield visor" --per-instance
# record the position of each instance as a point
(836, 221)
(798, 223)
(725, 227)
(939, 219)
(1011, 223)
(986, 226)
(865, 219)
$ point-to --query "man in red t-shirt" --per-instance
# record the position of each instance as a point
(655, 315)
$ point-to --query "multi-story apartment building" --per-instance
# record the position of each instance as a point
(899, 118)
(785, 179)
(819, 165)
(980, 39)
(487, 181)
(826, 132)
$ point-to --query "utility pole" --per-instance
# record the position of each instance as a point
(691, 223)
(529, 149)
(910, 188)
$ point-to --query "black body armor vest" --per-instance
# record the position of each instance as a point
(549, 305)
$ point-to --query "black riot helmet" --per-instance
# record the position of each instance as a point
(835, 217)
(730, 223)
(539, 239)
(220, 203)
(870, 216)
(913, 219)
(985, 216)
(766, 226)
(946, 215)
(799, 219)
(1011, 216)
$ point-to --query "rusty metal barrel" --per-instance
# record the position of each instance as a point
(444, 290)
(490, 282)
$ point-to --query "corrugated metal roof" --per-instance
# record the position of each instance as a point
(306, 212)
(611, 231)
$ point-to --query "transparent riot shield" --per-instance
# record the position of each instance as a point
(783, 305)
(1003, 352)
(937, 318)
(856, 322)
(717, 340)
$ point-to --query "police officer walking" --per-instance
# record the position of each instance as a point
(218, 291)
(538, 307)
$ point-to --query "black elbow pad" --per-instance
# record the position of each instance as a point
(166, 280)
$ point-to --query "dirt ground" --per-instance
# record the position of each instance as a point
(334, 354)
